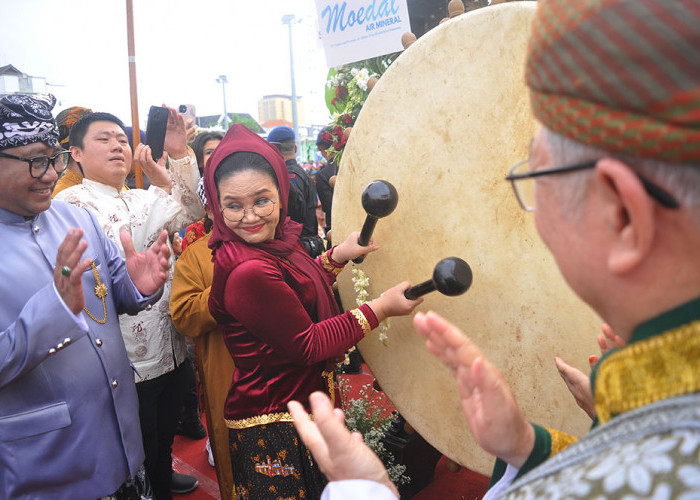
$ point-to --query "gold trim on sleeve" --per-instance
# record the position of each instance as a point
(560, 440)
(328, 264)
(362, 320)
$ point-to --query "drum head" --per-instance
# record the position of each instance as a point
(443, 125)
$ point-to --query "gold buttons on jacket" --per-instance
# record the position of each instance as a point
(36, 229)
(52, 351)
(98, 342)
(115, 383)
(66, 341)
(60, 346)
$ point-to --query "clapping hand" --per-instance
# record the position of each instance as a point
(68, 272)
(494, 418)
(339, 453)
(578, 383)
(148, 270)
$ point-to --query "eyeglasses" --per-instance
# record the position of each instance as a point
(236, 213)
(525, 189)
(38, 165)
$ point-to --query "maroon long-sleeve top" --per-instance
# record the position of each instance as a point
(266, 310)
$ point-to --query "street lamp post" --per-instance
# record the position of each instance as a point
(288, 19)
(224, 120)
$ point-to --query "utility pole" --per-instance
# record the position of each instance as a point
(224, 120)
(288, 19)
(135, 128)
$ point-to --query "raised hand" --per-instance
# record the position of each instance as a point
(494, 417)
(350, 249)
(148, 270)
(190, 129)
(175, 135)
(68, 272)
(156, 172)
(606, 341)
(579, 384)
(339, 453)
(609, 339)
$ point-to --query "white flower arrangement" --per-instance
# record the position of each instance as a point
(361, 76)
(360, 282)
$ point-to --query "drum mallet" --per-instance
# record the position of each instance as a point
(451, 276)
(379, 199)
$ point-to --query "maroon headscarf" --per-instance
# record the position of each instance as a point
(229, 250)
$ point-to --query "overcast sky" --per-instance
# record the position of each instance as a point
(181, 47)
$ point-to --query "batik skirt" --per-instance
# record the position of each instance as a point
(271, 462)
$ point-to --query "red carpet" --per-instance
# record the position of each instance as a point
(190, 457)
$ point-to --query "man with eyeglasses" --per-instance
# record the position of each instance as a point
(69, 424)
(614, 182)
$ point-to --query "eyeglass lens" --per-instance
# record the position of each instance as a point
(261, 208)
(40, 164)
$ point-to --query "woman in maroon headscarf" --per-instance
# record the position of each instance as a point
(278, 316)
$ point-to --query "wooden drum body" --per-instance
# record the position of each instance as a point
(443, 125)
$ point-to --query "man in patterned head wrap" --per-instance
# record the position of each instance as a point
(65, 120)
(616, 86)
(69, 416)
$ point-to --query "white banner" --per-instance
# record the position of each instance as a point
(352, 30)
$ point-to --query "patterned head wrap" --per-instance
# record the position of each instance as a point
(620, 75)
(65, 120)
(26, 119)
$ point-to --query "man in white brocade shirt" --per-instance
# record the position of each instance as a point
(99, 144)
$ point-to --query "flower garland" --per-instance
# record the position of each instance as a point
(360, 282)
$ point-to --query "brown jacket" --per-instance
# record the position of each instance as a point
(189, 307)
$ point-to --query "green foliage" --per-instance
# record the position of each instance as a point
(346, 93)
(248, 122)
(371, 416)
(375, 66)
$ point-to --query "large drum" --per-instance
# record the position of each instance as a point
(443, 125)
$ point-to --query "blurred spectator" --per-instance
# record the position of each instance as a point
(204, 145)
(303, 199)
(73, 174)
(324, 187)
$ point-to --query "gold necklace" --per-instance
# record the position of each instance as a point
(100, 293)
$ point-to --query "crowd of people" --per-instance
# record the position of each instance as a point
(104, 283)
(271, 330)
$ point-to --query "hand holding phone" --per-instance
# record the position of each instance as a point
(189, 111)
(155, 130)
(190, 116)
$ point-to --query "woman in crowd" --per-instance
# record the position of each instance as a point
(276, 311)
(189, 308)
(203, 146)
